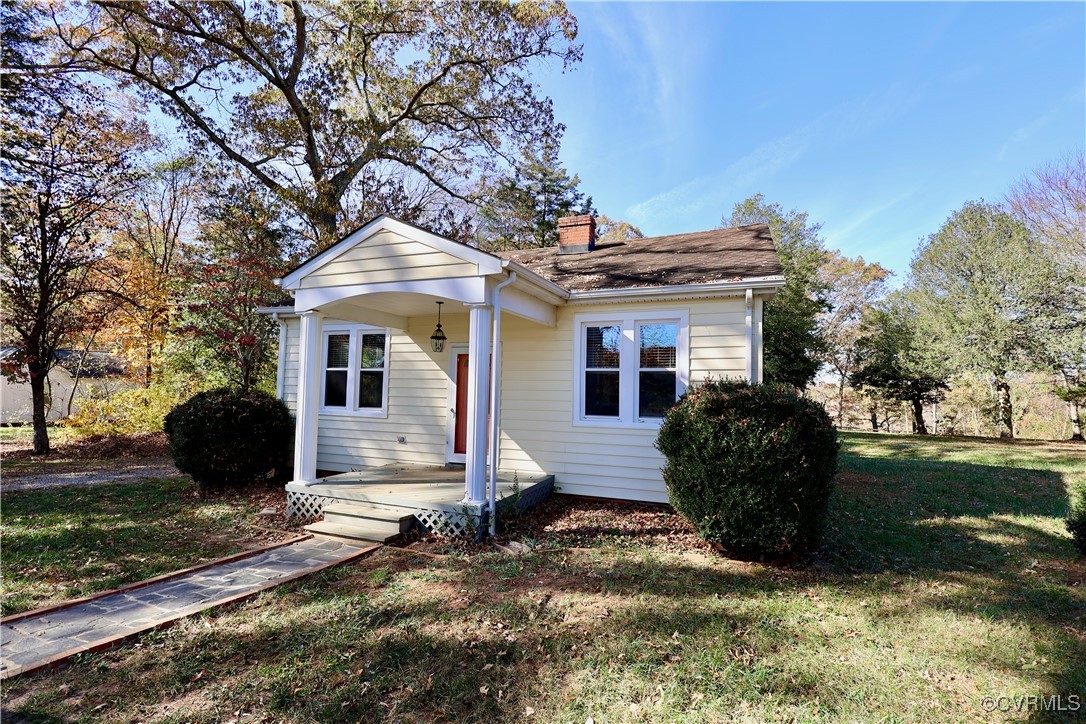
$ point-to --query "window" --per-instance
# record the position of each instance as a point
(601, 378)
(656, 372)
(630, 369)
(355, 370)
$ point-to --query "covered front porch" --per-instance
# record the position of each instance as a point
(365, 310)
(434, 495)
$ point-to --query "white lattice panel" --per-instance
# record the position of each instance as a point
(300, 505)
(464, 522)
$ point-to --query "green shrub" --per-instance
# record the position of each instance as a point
(225, 437)
(1076, 519)
(751, 466)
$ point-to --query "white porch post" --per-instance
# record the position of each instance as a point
(309, 390)
(478, 403)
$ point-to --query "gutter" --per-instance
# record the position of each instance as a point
(542, 283)
(681, 291)
(277, 311)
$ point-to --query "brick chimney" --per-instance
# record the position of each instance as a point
(576, 234)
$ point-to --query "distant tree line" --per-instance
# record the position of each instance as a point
(998, 293)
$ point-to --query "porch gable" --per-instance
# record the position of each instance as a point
(389, 251)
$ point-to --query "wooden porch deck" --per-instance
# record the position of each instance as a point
(433, 494)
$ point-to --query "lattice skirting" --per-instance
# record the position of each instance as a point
(528, 498)
(464, 521)
(306, 506)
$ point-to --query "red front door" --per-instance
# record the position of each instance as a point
(460, 434)
(460, 412)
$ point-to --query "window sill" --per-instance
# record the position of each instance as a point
(618, 424)
(342, 412)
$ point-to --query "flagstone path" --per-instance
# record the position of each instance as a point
(37, 639)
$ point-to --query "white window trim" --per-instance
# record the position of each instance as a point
(629, 364)
(354, 363)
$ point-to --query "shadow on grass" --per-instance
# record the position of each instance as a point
(484, 638)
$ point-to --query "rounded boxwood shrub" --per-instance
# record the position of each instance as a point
(751, 466)
(226, 438)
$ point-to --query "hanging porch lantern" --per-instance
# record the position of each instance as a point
(437, 339)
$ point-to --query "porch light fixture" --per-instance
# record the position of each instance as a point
(437, 339)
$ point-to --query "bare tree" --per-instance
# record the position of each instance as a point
(1052, 202)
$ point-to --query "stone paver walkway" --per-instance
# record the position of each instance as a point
(49, 637)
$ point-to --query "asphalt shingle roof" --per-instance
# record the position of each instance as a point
(697, 258)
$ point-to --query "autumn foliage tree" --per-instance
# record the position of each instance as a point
(853, 287)
(310, 100)
(66, 163)
(158, 220)
(241, 248)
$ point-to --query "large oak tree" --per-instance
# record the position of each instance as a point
(400, 106)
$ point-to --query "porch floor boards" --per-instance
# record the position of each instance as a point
(410, 485)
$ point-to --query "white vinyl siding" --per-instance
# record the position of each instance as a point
(388, 257)
(417, 390)
(538, 434)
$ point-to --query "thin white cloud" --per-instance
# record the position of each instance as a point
(741, 177)
(840, 236)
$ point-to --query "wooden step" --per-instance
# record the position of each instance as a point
(350, 532)
(369, 516)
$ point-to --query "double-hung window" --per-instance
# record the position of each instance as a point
(630, 367)
(355, 367)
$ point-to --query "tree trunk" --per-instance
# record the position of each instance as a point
(1076, 421)
(148, 370)
(874, 419)
(37, 396)
(918, 417)
(1005, 414)
(841, 401)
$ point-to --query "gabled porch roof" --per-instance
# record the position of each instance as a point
(389, 270)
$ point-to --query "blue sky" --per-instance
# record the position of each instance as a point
(879, 119)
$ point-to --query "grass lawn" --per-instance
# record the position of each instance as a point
(946, 576)
(62, 543)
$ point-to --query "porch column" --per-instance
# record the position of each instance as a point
(478, 403)
(309, 390)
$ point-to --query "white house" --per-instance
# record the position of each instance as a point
(588, 345)
(76, 376)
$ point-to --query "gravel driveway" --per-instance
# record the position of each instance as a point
(120, 472)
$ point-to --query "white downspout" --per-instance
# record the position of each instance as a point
(280, 369)
(750, 335)
(495, 398)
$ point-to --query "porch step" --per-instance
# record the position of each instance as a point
(369, 516)
(351, 532)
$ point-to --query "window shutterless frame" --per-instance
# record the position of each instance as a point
(356, 369)
(630, 368)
